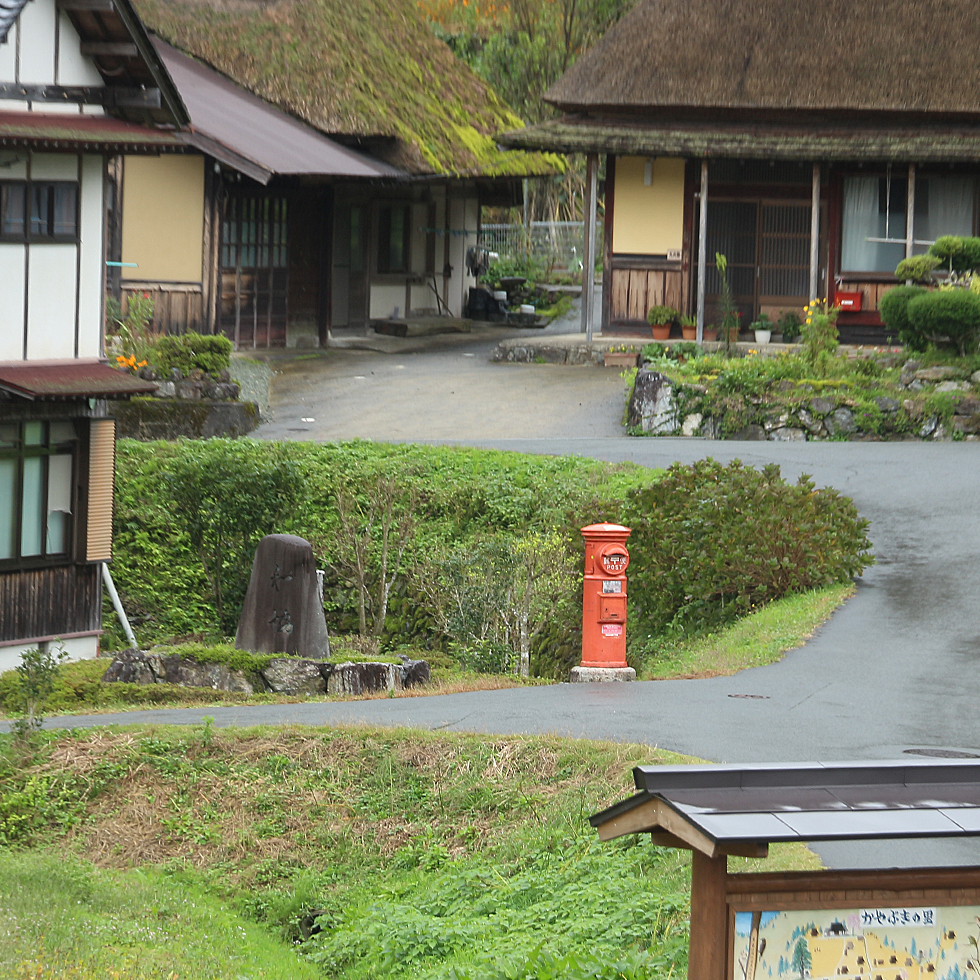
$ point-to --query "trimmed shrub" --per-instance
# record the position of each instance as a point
(948, 316)
(894, 312)
(959, 254)
(192, 350)
(711, 541)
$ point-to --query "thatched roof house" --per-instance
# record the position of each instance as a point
(811, 129)
(370, 71)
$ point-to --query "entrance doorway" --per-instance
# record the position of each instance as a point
(254, 271)
(767, 244)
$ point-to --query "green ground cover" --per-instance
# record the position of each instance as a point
(348, 853)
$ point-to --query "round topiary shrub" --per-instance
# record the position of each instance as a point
(949, 316)
(711, 541)
(957, 253)
(894, 312)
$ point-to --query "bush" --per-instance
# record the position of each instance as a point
(789, 326)
(957, 253)
(894, 312)
(710, 541)
(948, 316)
(918, 268)
(192, 350)
(661, 314)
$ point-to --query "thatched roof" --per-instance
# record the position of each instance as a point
(354, 68)
(814, 140)
(899, 55)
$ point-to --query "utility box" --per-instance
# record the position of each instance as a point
(604, 605)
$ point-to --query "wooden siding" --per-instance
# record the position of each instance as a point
(177, 307)
(50, 602)
(635, 290)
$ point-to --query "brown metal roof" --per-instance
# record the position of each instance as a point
(720, 809)
(70, 379)
(247, 133)
(880, 140)
(42, 129)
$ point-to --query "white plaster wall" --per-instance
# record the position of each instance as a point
(78, 648)
(74, 68)
(8, 59)
(92, 258)
(37, 25)
(51, 302)
(54, 166)
(384, 298)
(12, 303)
(457, 257)
(13, 164)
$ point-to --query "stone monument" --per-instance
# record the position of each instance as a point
(283, 611)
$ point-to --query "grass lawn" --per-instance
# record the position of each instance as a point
(150, 852)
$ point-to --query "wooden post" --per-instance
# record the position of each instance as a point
(910, 213)
(588, 246)
(702, 248)
(815, 234)
(708, 958)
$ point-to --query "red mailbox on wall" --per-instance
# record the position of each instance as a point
(604, 597)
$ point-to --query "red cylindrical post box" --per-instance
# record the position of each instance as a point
(604, 596)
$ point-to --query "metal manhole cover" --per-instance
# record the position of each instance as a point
(942, 753)
(760, 697)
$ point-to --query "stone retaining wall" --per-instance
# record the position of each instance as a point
(283, 675)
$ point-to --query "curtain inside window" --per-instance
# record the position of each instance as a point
(8, 496)
(864, 218)
(950, 210)
(59, 503)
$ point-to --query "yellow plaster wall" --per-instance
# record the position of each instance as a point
(163, 218)
(648, 220)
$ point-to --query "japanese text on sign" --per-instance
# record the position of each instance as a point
(898, 917)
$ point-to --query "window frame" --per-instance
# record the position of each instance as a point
(20, 451)
(383, 252)
(26, 235)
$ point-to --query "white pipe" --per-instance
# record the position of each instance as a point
(117, 605)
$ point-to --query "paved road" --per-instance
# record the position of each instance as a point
(893, 671)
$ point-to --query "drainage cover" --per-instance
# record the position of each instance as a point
(940, 753)
(761, 697)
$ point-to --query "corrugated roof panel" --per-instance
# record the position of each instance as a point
(250, 128)
(71, 379)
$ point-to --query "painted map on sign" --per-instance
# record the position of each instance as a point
(893, 943)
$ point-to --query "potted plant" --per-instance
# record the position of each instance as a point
(689, 327)
(789, 326)
(661, 319)
(621, 356)
(762, 327)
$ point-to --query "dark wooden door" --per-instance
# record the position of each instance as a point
(254, 270)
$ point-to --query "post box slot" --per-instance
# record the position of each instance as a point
(612, 609)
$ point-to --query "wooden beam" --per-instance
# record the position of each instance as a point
(910, 214)
(114, 49)
(588, 245)
(815, 234)
(636, 821)
(702, 248)
(671, 821)
(708, 957)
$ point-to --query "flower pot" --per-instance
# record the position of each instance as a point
(689, 333)
(620, 358)
(661, 331)
(763, 336)
(710, 334)
(733, 333)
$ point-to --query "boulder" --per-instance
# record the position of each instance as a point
(415, 673)
(841, 421)
(691, 424)
(129, 667)
(165, 389)
(886, 405)
(651, 406)
(967, 406)
(751, 433)
(967, 424)
(286, 676)
(812, 425)
(951, 386)
(363, 678)
(941, 372)
(787, 435)
(821, 406)
(173, 669)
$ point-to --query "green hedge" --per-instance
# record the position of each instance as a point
(192, 350)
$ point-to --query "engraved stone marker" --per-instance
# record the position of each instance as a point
(283, 611)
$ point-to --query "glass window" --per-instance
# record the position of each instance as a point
(13, 206)
(37, 463)
(39, 211)
(393, 229)
(874, 217)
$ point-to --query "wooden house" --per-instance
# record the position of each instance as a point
(814, 145)
(343, 155)
(79, 83)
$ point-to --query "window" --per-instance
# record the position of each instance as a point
(37, 462)
(36, 211)
(394, 227)
(874, 218)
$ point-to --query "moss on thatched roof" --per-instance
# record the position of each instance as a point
(353, 68)
(899, 55)
(827, 140)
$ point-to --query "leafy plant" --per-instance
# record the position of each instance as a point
(789, 326)
(729, 315)
(819, 337)
(188, 351)
(36, 675)
(960, 254)
(661, 314)
(951, 317)
(711, 541)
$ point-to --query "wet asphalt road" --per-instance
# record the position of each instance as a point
(896, 669)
